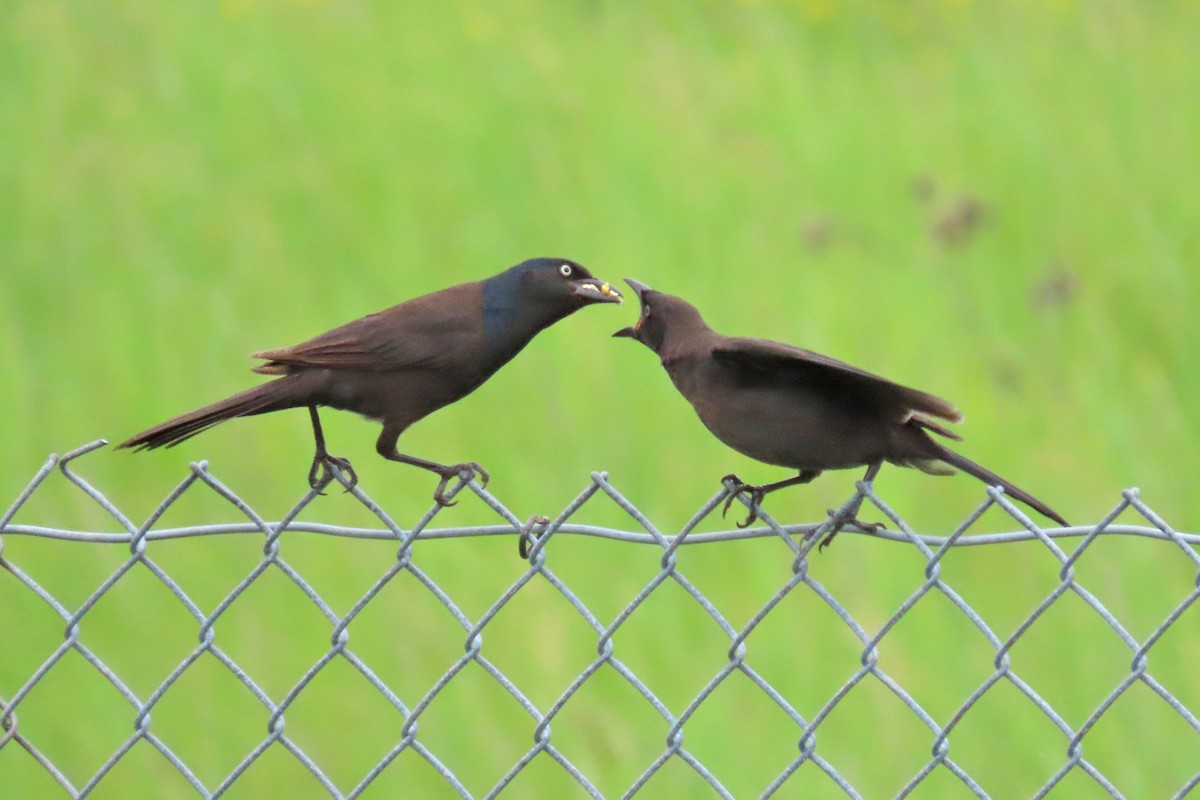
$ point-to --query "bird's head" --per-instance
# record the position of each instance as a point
(536, 293)
(663, 316)
(562, 281)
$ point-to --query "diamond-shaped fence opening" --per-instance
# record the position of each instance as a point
(754, 670)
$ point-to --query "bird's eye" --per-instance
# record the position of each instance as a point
(565, 270)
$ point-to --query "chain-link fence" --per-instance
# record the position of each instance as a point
(1073, 773)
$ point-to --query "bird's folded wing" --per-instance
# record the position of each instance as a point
(768, 356)
(419, 334)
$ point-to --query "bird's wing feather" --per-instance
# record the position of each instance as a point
(768, 356)
(427, 332)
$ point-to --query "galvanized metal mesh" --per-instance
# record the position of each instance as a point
(536, 538)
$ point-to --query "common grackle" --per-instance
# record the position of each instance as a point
(404, 363)
(796, 408)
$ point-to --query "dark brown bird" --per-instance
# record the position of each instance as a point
(795, 408)
(404, 363)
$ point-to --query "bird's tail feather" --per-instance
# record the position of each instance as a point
(267, 397)
(992, 479)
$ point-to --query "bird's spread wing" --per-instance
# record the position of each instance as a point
(776, 358)
(424, 333)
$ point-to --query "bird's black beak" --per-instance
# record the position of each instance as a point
(594, 290)
(640, 290)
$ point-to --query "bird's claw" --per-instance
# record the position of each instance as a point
(322, 466)
(529, 537)
(484, 477)
(842, 519)
(467, 471)
(756, 497)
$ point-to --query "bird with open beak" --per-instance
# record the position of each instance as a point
(795, 408)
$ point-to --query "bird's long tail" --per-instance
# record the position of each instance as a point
(992, 479)
(281, 393)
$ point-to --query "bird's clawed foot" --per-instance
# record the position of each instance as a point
(531, 533)
(842, 518)
(756, 497)
(467, 471)
(322, 469)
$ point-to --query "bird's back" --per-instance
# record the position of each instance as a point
(439, 331)
(799, 416)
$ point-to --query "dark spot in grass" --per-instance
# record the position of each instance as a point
(960, 222)
(1058, 287)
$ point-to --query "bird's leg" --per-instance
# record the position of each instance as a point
(322, 460)
(757, 493)
(848, 515)
(386, 447)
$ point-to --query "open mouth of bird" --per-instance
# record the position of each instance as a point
(600, 291)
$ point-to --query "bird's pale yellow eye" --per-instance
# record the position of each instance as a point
(565, 270)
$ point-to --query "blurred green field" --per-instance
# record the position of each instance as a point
(185, 183)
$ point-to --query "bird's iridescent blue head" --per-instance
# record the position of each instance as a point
(551, 280)
(540, 291)
(562, 278)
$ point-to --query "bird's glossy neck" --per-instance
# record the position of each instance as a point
(511, 319)
(683, 332)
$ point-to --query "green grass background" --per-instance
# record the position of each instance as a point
(184, 183)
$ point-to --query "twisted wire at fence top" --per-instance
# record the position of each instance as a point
(535, 535)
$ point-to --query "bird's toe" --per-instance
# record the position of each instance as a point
(439, 494)
(840, 519)
(484, 477)
(465, 472)
(323, 470)
(351, 475)
(531, 532)
(728, 503)
(737, 486)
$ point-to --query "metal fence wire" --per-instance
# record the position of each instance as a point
(536, 537)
